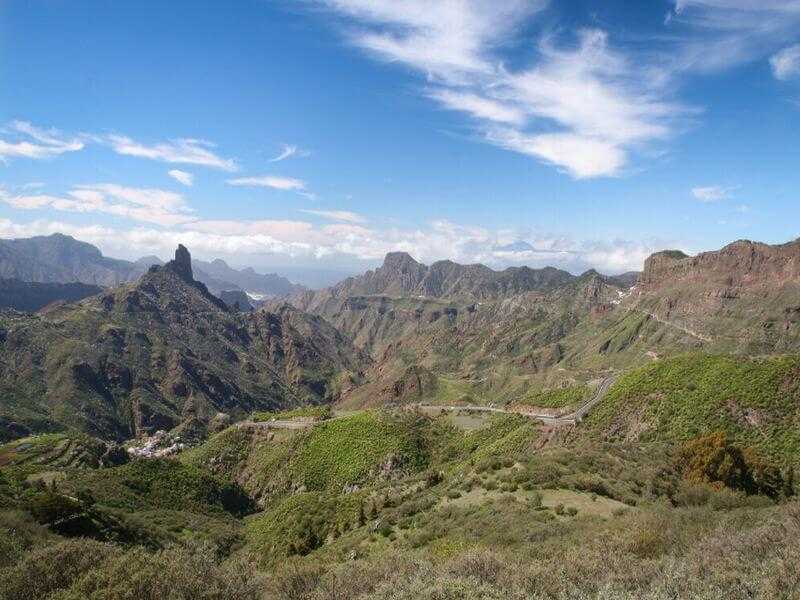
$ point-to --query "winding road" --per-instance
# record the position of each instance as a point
(568, 418)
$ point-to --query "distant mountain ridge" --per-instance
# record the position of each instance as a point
(219, 276)
(402, 276)
(59, 258)
(496, 332)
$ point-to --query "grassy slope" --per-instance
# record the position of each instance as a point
(756, 401)
(557, 398)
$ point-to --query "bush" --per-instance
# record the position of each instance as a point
(714, 459)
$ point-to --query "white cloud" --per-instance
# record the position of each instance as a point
(786, 63)
(182, 177)
(139, 204)
(712, 193)
(278, 183)
(479, 107)
(332, 243)
(581, 156)
(289, 151)
(180, 151)
(444, 39)
(36, 143)
(583, 107)
(718, 34)
(337, 215)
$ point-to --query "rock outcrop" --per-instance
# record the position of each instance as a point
(740, 264)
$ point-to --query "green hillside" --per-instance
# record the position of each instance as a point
(756, 401)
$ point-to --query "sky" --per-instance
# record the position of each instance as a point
(321, 134)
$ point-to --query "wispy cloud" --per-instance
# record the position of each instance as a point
(146, 205)
(786, 63)
(288, 184)
(583, 107)
(289, 151)
(36, 143)
(337, 215)
(712, 193)
(182, 177)
(179, 151)
(479, 107)
(718, 34)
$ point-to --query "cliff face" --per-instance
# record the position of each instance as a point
(740, 264)
(743, 298)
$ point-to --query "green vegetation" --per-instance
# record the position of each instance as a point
(344, 451)
(756, 402)
(313, 412)
(713, 459)
(558, 398)
(160, 484)
(397, 504)
(52, 450)
(304, 522)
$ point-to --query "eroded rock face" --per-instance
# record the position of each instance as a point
(740, 264)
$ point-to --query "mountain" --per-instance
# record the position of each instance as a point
(402, 276)
(451, 331)
(59, 258)
(30, 296)
(219, 276)
(681, 463)
(483, 334)
(160, 352)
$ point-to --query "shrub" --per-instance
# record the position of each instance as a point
(714, 459)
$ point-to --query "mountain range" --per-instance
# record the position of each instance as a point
(59, 258)
(485, 333)
(160, 352)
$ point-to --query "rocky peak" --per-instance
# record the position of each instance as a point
(181, 265)
(400, 261)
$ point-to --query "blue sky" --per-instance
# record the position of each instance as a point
(324, 133)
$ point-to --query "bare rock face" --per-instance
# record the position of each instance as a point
(740, 264)
(182, 264)
(743, 298)
(659, 266)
